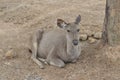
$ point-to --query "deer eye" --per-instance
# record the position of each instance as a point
(78, 30)
(68, 30)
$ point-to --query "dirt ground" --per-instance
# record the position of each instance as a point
(20, 18)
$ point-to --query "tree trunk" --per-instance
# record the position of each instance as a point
(111, 27)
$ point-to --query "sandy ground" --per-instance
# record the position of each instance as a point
(20, 18)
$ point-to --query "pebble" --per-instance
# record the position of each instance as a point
(7, 63)
(83, 37)
(98, 35)
(91, 40)
(33, 77)
(10, 54)
(1, 50)
(90, 33)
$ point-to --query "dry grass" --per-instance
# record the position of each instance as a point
(20, 18)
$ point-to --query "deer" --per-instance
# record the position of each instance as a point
(58, 46)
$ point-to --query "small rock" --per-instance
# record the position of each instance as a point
(33, 77)
(90, 33)
(98, 35)
(91, 40)
(7, 63)
(1, 50)
(10, 54)
(83, 37)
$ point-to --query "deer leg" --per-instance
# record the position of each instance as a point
(74, 61)
(35, 41)
(43, 60)
(53, 60)
(57, 62)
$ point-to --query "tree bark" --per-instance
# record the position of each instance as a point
(111, 27)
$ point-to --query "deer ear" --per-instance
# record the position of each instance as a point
(78, 19)
(61, 23)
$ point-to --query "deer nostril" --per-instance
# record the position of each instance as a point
(75, 42)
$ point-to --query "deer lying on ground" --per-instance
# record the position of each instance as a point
(58, 46)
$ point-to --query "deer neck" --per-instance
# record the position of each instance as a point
(71, 49)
